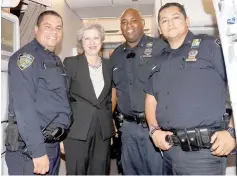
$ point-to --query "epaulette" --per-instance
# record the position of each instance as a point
(211, 39)
(205, 37)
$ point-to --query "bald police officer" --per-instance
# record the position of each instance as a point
(186, 98)
(38, 99)
(132, 65)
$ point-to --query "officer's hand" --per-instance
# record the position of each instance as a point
(62, 148)
(222, 143)
(158, 138)
(41, 165)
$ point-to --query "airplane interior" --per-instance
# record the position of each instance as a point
(18, 17)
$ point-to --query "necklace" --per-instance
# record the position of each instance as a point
(95, 66)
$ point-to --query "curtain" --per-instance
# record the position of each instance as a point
(29, 21)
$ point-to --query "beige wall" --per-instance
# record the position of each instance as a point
(71, 24)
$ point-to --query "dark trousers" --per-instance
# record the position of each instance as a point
(139, 155)
(178, 162)
(20, 164)
(88, 157)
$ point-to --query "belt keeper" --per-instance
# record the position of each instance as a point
(186, 134)
(198, 136)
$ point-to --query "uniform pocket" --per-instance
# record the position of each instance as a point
(118, 75)
(52, 79)
(198, 64)
(144, 72)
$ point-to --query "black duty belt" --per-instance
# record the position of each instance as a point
(192, 139)
(139, 118)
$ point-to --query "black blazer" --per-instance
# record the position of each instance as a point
(84, 102)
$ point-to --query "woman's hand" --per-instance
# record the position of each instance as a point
(62, 148)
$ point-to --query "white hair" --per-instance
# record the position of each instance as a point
(88, 26)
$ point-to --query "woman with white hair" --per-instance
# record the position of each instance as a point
(87, 146)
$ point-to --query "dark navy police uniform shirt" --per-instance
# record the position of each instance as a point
(190, 93)
(131, 70)
(38, 91)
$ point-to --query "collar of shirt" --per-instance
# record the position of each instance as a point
(188, 41)
(38, 45)
(140, 44)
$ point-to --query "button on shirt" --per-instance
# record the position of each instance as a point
(131, 70)
(190, 93)
(38, 93)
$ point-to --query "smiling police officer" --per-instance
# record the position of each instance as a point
(39, 109)
(186, 99)
(132, 65)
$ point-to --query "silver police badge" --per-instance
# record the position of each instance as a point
(148, 50)
(192, 55)
(24, 61)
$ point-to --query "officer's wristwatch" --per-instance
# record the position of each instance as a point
(231, 131)
(153, 128)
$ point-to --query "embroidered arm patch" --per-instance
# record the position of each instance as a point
(24, 61)
(218, 42)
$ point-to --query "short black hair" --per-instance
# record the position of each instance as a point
(47, 12)
(173, 4)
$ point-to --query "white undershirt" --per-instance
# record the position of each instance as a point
(97, 79)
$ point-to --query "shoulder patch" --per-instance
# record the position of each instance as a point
(218, 42)
(24, 61)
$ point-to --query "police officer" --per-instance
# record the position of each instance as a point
(186, 98)
(132, 65)
(38, 98)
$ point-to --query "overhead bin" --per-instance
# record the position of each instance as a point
(108, 8)
(112, 28)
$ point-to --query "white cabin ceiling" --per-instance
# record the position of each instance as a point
(86, 9)
(201, 13)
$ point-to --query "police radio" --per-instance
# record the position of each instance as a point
(50, 136)
(54, 135)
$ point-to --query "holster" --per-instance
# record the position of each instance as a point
(12, 135)
(118, 119)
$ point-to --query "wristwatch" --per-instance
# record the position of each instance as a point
(231, 131)
(153, 128)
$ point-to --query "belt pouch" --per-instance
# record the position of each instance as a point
(205, 137)
(193, 140)
(184, 143)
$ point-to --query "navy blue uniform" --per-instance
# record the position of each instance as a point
(131, 70)
(38, 93)
(189, 85)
